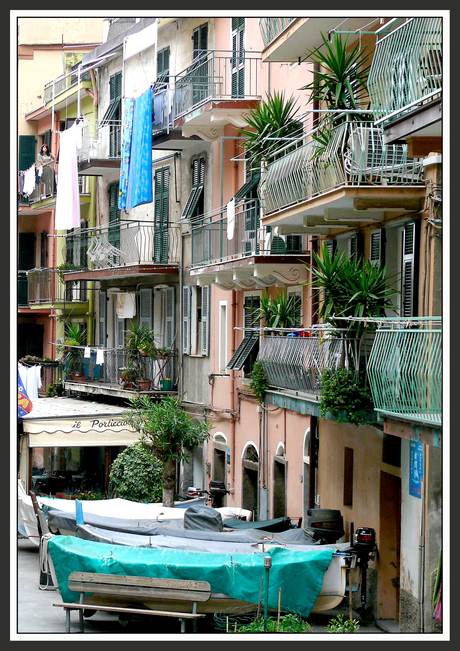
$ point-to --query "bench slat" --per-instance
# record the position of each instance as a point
(145, 581)
(140, 592)
(136, 611)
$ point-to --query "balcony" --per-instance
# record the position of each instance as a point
(84, 372)
(235, 252)
(271, 28)
(356, 177)
(215, 90)
(123, 248)
(405, 370)
(100, 150)
(44, 287)
(405, 80)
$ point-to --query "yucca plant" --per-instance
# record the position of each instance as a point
(278, 311)
(272, 118)
(341, 81)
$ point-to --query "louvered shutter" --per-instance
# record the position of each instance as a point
(356, 245)
(145, 307)
(120, 332)
(409, 288)
(161, 219)
(169, 316)
(102, 318)
(331, 247)
(238, 57)
(377, 247)
(186, 319)
(114, 215)
(26, 152)
(205, 318)
(194, 206)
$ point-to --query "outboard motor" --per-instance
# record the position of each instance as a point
(324, 525)
(217, 490)
(364, 545)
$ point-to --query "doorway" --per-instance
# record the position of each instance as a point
(389, 546)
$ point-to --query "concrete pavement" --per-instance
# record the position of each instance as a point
(37, 618)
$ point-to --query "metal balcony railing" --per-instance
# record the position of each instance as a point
(405, 370)
(100, 140)
(45, 286)
(216, 241)
(61, 84)
(297, 363)
(163, 107)
(121, 243)
(81, 364)
(216, 75)
(406, 70)
(271, 28)
(354, 155)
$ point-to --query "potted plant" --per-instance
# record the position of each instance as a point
(74, 340)
(280, 311)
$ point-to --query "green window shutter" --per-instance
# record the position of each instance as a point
(163, 65)
(161, 218)
(237, 57)
(331, 246)
(114, 215)
(356, 245)
(195, 202)
(120, 332)
(26, 152)
(377, 247)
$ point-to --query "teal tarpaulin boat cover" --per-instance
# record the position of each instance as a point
(299, 574)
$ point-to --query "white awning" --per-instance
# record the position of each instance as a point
(82, 432)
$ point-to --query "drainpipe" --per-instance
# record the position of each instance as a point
(232, 388)
(421, 548)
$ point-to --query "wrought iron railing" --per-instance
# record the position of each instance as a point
(45, 285)
(227, 237)
(271, 28)
(100, 140)
(216, 75)
(405, 369)
(108, 366)
(123, 243)
(355, 154)
(297, 363)
(406, 69)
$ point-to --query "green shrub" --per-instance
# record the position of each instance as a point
(136, 474)
(290, 623)
(342, 625)
(346, 398)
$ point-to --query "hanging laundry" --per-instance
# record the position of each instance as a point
(67, 196)
(87, 352)
(126, 139)
(140, 185)
(99, 356)
(230, 219)
(126, 305)
(31, 378)
(29, 180)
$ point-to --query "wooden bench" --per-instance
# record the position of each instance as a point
(135, 590)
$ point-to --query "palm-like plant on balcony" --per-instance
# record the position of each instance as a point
(351, 290)
(278, 311)
(339, 84)
(74, 339)
(272, 118)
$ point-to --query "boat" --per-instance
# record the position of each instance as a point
(61, 513)
(299, 580)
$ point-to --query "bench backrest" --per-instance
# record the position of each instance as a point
(139, 586)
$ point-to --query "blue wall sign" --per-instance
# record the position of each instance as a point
(416, 469)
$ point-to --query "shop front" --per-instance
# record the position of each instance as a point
(67, 446)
